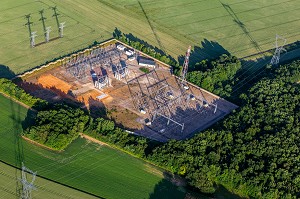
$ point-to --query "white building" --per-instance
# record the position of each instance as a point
(146, 62)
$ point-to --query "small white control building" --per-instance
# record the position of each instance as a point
(146, 62)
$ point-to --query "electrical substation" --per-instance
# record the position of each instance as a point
(154, 104)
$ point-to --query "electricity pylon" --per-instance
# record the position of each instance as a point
(32, 38)
(61, 29)
(48, 30)
(27, 187)
(278, 50)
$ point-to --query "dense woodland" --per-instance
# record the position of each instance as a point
(106, 131)
(217, 76)
(255, 151)
(57, 127)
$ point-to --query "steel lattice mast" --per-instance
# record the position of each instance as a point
(185, 64)
(278, 50)
(27, 186)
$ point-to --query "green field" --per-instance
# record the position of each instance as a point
(9, 180)
(86, 166)
(240, 27)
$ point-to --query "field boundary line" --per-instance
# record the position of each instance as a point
(39, 144)
(124, 151)
(17, 101)
(94, 140)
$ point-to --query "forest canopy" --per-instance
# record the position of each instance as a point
(57, 127)
(255, 151)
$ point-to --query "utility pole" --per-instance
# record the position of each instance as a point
(27, 187)
(278, 50)
(29, 23)
(56, 17)
(43, 22)
(61, 29)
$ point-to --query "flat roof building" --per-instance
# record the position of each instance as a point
(146, 62)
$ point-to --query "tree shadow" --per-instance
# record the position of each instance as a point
(15, 116)
(208, 50)
(97, 108)
(166, 189)
(5, 72)
(17, 130)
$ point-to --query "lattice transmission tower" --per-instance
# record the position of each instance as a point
(27, 186)
(279, 48)
(185, 67)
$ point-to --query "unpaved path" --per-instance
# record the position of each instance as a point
(39, 144)
(93, 139)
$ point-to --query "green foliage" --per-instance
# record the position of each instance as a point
(255, 151)
(11, 89)
(144, 69)
(106, 131)
(58, 127)
(217, 75)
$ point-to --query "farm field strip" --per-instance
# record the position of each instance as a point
(84, 165)
(192, 23)
(9, 182)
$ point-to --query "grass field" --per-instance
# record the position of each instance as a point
(240, 27)
(87, 166)
(46, 189)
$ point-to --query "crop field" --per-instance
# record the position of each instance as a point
(83, 165)
(46, 189)
(211, 26)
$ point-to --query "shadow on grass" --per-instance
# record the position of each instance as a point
(174, 187)
(166, 189)
(16, 130)
(207, 50)
(5, 72)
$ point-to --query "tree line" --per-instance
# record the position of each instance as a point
(11, 89)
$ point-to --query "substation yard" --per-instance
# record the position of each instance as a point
(157, 104)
